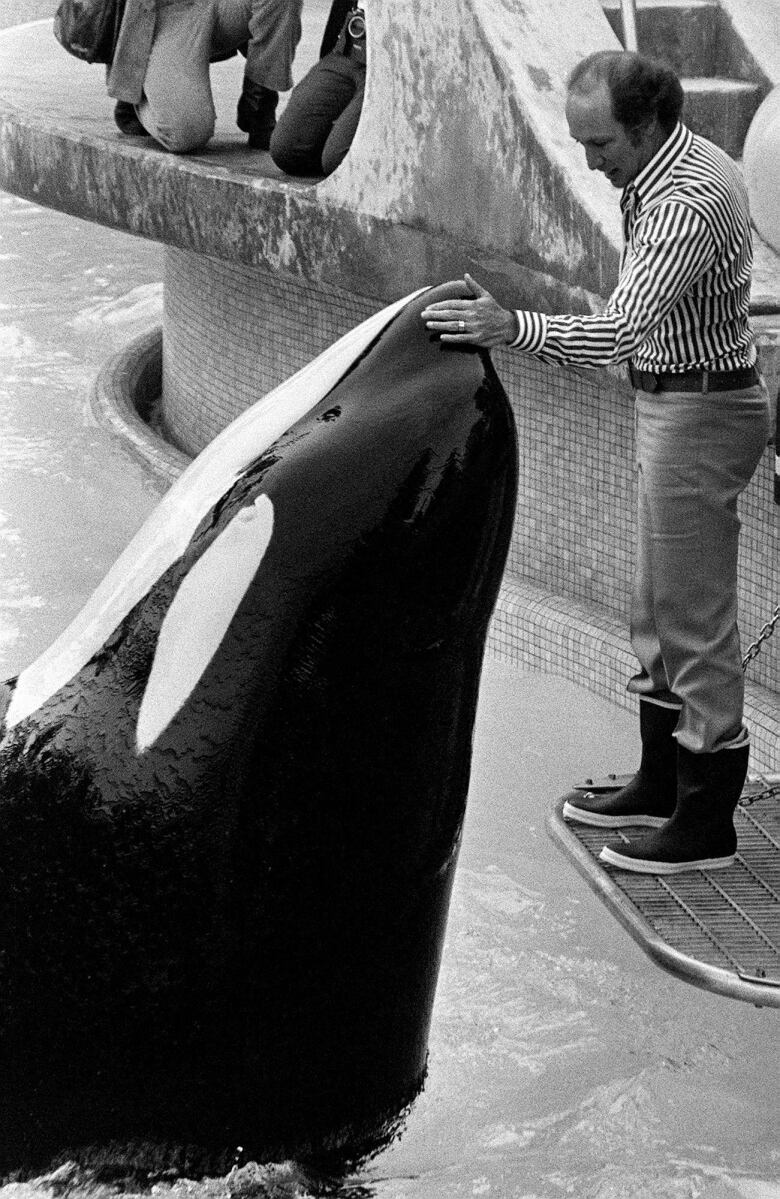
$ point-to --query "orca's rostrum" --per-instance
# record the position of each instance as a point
(232, 792)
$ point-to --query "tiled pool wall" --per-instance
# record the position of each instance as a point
(232, 333)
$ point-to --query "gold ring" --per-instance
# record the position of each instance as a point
(461, 326)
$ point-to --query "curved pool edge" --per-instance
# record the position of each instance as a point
(123, 400)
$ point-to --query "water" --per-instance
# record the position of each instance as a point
(563, 1063)
(70, 294)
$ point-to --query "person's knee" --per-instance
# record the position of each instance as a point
(180, 134)
(342, 135)
(292, 155)
(186, 135)
(333, 154)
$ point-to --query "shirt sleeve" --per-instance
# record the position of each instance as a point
(671, 248)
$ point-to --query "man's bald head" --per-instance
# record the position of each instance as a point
(642, 90)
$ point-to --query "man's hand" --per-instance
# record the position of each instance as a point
(480, 321)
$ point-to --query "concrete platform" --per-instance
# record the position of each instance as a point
(716, 929)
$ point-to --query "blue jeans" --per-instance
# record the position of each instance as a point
(695, 455)
(317, 127)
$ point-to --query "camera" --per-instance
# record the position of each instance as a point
(356, 24)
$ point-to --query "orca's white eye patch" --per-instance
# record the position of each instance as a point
(167, 532)
(200, 615)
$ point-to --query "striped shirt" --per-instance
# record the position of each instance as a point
(683, 293)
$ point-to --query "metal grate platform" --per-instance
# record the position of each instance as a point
(717, 929)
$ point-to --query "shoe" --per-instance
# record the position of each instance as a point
(256, 114)
(649, 798)
(700, 835)
(126, 120)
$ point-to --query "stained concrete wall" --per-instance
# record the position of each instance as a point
(464, 135)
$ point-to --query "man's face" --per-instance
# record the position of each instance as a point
(607, 145)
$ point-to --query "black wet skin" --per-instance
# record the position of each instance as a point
(234, 938)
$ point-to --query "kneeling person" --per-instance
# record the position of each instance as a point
(160, 73)
(316, 128)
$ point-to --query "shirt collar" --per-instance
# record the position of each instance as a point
(649, 178)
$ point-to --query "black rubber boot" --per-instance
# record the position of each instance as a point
(650, 796)
(126, 120)
(257, 114)
(700, 834)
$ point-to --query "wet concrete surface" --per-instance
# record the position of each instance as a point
(562, 1062)
(39, 76)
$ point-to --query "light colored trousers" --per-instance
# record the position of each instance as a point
(695, 455)
(177, 106)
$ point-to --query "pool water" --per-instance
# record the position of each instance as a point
(562, 1061)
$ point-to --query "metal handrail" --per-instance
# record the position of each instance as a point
(628, 14)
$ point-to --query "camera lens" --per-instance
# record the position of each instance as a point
(357, 27)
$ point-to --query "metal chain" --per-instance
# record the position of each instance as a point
(765, 633)
(770, 788)
(758, 788)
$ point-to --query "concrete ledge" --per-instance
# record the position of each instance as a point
(396, 215)
(20, 12)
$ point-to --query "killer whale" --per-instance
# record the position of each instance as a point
(232, 791)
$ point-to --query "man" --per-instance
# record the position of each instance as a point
(160, 72)
(679, 316)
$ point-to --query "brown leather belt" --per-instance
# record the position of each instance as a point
(701, 381)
